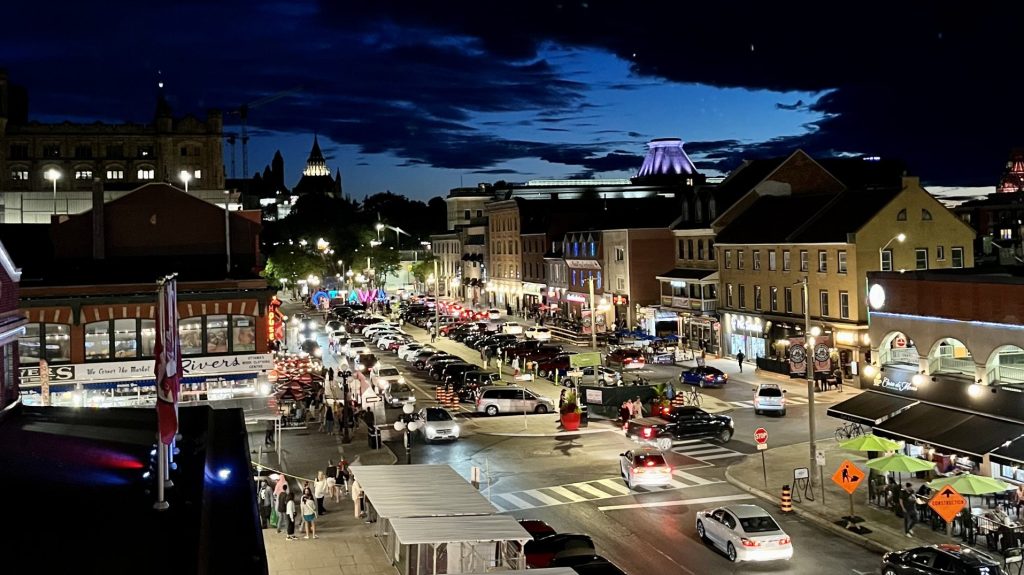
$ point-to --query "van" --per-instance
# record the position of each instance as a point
(511, 399)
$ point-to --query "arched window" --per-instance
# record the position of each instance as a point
(711, 208)
(901, 216)
(926, 215)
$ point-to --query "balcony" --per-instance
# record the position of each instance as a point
(693, 304)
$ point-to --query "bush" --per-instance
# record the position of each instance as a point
(571, 404)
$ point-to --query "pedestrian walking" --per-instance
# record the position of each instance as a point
(638, 408)
(625, 412)
(344, 475)
(283, 497)
(268, 438)
(701, 361)
(739, 359)
(330, 374)
(308, 510)
(670, 391)
(320, 492)
(908, 504)
(515, 366)
(289, 517)
(433, 334)
(266, 498)
(329, 419)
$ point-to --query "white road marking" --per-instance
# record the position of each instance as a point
(515, 500)
(677, 503)
(721, 456)
(545, 499)
(567, 494)
(614, 485)
(591, 490)
(693, 478)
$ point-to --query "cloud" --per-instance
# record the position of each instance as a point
(495, 171)
(798, 105)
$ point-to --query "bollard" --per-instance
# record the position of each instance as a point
(787, 499)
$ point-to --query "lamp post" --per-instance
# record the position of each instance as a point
(593, 314)
(227, 229)
(185, 177)
(409, 422)
(901, 237)
(379, 227)
(808, 358)
(53, 175)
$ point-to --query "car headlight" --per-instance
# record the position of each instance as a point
(401, 379)
(430, 430)
(312, 325)
(319, 352)
(455, 429)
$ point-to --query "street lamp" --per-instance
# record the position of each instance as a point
(53, 175)
(185, 177)
(901, 237)
(379, 228)
(808, 358)
(227, 228)
(409, 422)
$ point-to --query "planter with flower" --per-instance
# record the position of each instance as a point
(570, 412)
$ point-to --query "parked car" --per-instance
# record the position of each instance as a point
(385, 376)
(769, 397)
(539, 333)
(494, 314)
(334, 325)
(704, 376)
(399, 394)
(626, 358)
(746, 533)
(420, 357)
(354, 347)
(603, 375)
(512, 327)
(540, 552)
(646, 467)
(310, 347)
(548, 365)
(453, 373)
(433, 358)
(940, 559)
(386, 341)
(684, 422)
(410, 349)
(472, 381)
(365, 361)
(438, 423)
(511, 399)
(436, 368)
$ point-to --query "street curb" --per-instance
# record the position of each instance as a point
(864, 542)
(557, 434)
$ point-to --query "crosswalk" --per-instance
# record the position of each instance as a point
(587, 491)
(795, 400)
(703, 451)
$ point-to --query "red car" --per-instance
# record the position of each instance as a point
(626, 357)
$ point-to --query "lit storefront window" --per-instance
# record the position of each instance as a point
(49, 341)
(148, 337)
(191, 332)
(126, 338)
(243, 333)
(216, 334)
(97, 341)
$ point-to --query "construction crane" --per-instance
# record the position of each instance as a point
(243, 114)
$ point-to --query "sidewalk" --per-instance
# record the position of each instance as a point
(886, 528)
(346, 545)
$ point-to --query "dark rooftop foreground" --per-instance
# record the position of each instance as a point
(75, 495)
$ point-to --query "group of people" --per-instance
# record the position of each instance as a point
(631, 410)
(278, 507)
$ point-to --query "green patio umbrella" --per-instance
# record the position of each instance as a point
(970, 484)
(899, 463)
(870, 442)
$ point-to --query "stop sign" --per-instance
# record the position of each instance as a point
(761, 435)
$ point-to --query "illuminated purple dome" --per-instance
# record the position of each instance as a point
(665, 157)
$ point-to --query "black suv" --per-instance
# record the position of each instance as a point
(684, 422)
(939, 559)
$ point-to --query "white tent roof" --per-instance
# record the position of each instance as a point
(544, 571)
(412, 530)
(419, 491)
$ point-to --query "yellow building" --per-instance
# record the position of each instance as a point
(831, 222)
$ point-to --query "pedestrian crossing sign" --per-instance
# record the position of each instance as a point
(947, 503)
(848, 476)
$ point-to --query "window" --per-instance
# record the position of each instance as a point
(191, 333)
(51, 151)
(743, 296)
(921, 258)
(576, 249)
(593, 248)
(115, 152)
(620, 253)
(243, 333)
(700, 250)
(804, 261)
(772, 260)
(757, 298)
(844, 305)
(183, 150)
(901, 216)
(198, 174)
(728, 295)
(479, 213)
(216, 334)
(711, 250)
(146, 174)
(19, 174)
(926, 215)
(773, 298)
(97, 340)
(823, 298)
(115, 174)
(689, 249)
(83, 152)
(18, 152)
(940, 253)
(739, 259)
(147, 334)
(681, 249)
(126, 338)
(728, 259)
(620, 283)
(599, 284)
(822, 261)
(957, 255)
(1006, 234)
(841, 262)
(785, 260)
(886, 260)
(756, 257)
(49, 341)
(788, 296)
(83, 174)
(574, 277)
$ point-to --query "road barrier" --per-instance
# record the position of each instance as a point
(787, 499)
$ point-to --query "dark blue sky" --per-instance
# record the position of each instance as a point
(418, 97)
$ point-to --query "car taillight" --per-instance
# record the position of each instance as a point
(784, 541)
(725, 376)
(666, 410)
(638, 470)
(749, 543)
(709, 377)
(648, 432)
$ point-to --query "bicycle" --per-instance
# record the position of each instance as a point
(693, 397)
(849, 431)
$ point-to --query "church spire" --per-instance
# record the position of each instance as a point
(316, 165)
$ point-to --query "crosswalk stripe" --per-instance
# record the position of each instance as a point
(707, 451)
(686, 441)
(587, 488)
(692, 478)
(722, 455)
(614, 485)
(545, 499)
(566, 493)
(516, 501)
(499, 504)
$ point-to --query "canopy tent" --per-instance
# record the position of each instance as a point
(544, 571)
(476, 528)
(419, 491)
(951, 430)
(870, 442)
(870, 408)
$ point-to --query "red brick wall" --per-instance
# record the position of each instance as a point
(961, 300)
(651, 252)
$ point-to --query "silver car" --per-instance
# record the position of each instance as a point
(745, 533)
(493, 400)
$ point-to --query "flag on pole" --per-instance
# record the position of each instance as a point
(167, 350)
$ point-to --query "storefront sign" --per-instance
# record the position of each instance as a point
(893, 385)
(748, 324)
(44, 381)
(594, 396)
(584, 264)
(575, 297)
(143, 369)
(531, 288)
(620, 299)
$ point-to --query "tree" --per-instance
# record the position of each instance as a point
(291, 263)
(423, 268)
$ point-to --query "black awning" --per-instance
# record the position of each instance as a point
(952, 430)
(1012, 454)
(870, 407)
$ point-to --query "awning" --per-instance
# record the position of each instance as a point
(544, 571)
(951, 430)
(413, 530)
(419, 491)
(1012, 454)
(870, 408)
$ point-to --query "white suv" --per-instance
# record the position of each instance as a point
(769, 397)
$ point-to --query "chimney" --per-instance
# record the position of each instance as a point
(99, 243)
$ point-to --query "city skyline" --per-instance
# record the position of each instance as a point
(419, 100)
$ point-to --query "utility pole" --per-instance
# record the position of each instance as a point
(593, 317)
(809, 358)
(436, 295)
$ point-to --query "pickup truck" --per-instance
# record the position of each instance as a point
(686, 422)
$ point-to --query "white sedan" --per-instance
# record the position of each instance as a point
(408, 350)
(745, 533)
(645, 467)
(538, 333)
(512, 327)
(438, 423)
(387, 340)
(354, 347)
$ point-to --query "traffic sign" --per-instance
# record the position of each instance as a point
(947, 503)
(848, 476)
(761, 435)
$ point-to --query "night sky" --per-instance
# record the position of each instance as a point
(419, 97)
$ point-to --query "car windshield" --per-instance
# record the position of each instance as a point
(388, 372)
(357, 343)
(401, 388)
(649, 460)
(438, 415)
(770, 392)
(761, 524)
